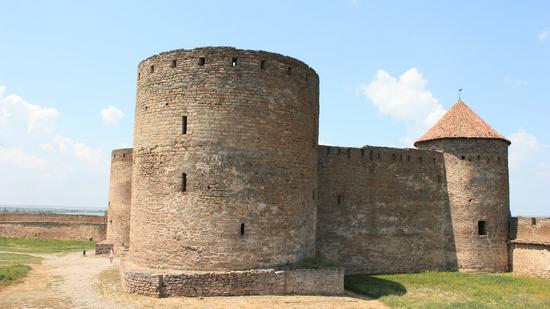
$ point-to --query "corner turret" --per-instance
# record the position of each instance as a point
(476, 164)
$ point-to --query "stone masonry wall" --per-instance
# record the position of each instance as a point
(384, 210)
(120, 195)
(249, 282)
(530, 246)
(238, 129)
(477, 182)
(52, 226)
(532, 259)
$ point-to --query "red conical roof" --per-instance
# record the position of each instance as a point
(461, 122)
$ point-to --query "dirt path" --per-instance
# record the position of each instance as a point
(74, 281)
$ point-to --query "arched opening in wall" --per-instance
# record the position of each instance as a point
(234, 61)
(262, 64)
(242, 229)
(482, 228)
(202, 61)
(533, 221)
(152, 69)
(289, 71)
(339, 199)
(174, 63)
(463, 158)
(183, 182)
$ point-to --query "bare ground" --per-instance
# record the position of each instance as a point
(74, 281)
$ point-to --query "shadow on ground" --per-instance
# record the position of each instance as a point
(373, 287)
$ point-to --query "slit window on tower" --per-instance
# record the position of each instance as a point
(289, 71)
(482, 228)
(234, 61)
(262, 64)
(202, 61)
(242, 229)
(183, 182)
(174, 63)
(339, 199)
(533, 221)
(184, 125)
(152, 69)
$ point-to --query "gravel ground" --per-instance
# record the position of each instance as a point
(74, 281)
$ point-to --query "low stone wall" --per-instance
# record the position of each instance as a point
(103, 248)
(155, 283)
(530, 258)
(53, 226)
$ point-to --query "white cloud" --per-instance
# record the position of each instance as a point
(515, 83)
(529, 163)
(544, 36)
(525, 149)
(355, 3)
(111, 115)
(37, 119)
(404, 99)
(35, 157)
(21, 160)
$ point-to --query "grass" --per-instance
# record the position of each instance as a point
(453, 290)
(10, 273)
(16, 258)
(43, 245)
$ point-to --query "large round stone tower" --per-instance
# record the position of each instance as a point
(224, 174)
(476, 166)
(120, 192)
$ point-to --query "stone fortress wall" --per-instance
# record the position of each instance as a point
(224, 160)
(120, 193)
(530, 246)
(384, 210)
(52, 226)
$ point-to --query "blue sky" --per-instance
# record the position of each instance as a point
(67, 78)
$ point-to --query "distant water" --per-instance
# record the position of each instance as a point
(52, 210)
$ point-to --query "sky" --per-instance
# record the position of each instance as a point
(388, 70)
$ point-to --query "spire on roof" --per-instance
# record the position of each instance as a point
(461, 122)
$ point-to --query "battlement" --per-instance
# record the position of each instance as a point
(530, 230)
(230, 60)
(122, 154)
(382, 154)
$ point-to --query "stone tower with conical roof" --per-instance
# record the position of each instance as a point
(476, 167)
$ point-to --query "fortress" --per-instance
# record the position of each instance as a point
(226, 186)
